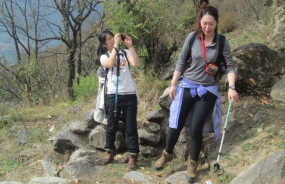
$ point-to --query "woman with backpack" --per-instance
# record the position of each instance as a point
(121, 93)
(197, 93)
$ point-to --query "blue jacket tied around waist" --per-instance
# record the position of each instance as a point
(213, 122)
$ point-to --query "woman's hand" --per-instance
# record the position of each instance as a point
(172, 91)
(128, 42)
(117, 40)
(232, 94)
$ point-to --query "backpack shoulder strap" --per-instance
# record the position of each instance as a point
(221, 57)
(221, 62)
(106, 69)
(125, 54)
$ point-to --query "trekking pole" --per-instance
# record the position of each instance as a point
(217, 166)
(117, 82)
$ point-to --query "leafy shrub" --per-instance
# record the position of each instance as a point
(227, 23)
(87, 87)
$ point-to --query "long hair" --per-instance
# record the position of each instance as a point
(206, 9)
(102, 39)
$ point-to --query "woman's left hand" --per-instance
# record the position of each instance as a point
(232, 94)
(128, 41)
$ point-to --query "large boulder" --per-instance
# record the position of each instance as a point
(97, 137)
(157, 115)
(66, 140)
(257, 66)
(84, 163)
(269, 170)
(79, 127)
(164, 101)
(149, 138)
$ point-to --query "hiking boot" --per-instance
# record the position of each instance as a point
(164, 158)
(132, 163)
(191, 171)
(109, 157)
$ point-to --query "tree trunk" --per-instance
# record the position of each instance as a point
(79, 61)
(71, 77)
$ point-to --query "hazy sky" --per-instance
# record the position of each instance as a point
(7, 48)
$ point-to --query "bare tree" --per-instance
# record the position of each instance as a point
(74, 14)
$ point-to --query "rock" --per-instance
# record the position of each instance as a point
(75, 109)
(48, 180)
(278, 91)
(89, 118)
(22, 137)
(182, 147)
(120, 143)
(164, 101)
(84, 163)
(277, 29)
(149, 138)
(154, 127)
(47, 165)
(138, 176)
(178, 178)
(156, 116)
(97, 137)
(269, 170)
(168, 72)
(10, 182)
(257, 67)
(148, 151)
(260, 116)
(78, 127)
(67, 140)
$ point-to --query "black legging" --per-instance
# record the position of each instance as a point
(202, 107)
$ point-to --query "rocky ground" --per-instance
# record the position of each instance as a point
(256, 129)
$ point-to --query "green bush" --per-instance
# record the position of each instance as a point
(227, 23)
(86, 88)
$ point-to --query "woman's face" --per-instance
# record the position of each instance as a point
(208, 24)
(109, 42)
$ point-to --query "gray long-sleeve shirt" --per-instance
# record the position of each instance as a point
(196, 72)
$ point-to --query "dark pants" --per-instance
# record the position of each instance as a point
(128, 105)
(202, 107)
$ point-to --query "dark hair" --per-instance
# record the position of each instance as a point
(102, 39)
(206, 9)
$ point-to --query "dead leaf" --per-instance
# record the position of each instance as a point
(265, 101)
(252, 81)
(242, 162)
(113, 180)
(142, 168)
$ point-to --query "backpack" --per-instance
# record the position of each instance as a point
(99, 112)
(221, 62)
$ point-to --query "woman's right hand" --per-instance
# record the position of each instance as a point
(172, 91)
(117, 40)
